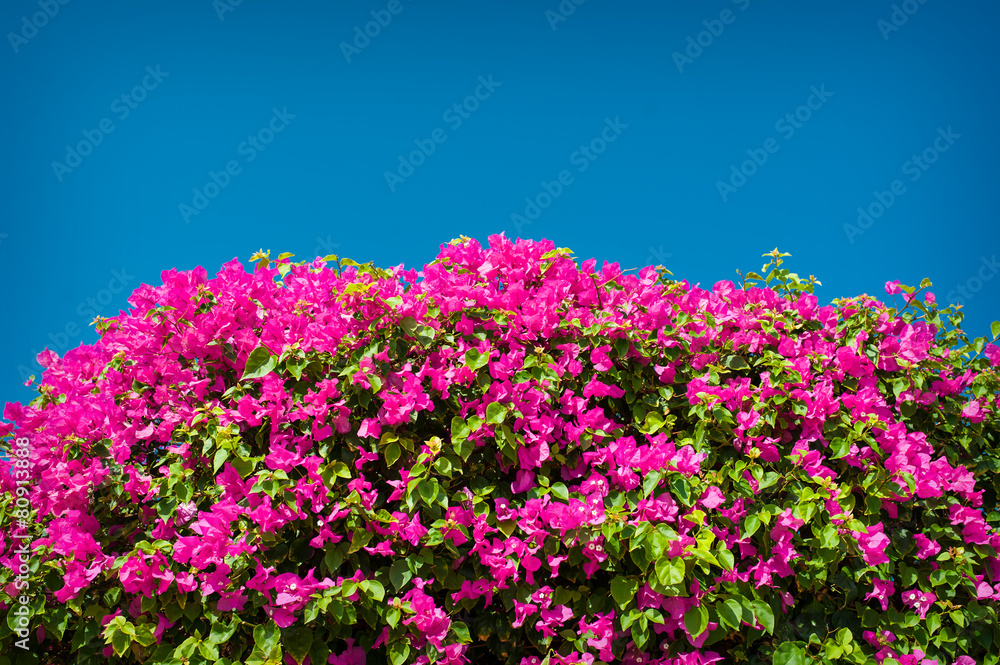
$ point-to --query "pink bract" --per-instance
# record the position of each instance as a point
(504, 456)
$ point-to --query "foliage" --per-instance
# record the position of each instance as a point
(505, 457)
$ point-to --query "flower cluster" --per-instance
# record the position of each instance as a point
(507, 456)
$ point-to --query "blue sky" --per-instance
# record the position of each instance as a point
(147, 136)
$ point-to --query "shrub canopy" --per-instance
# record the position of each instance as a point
(505, 457)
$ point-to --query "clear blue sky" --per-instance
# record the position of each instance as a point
(291, 118)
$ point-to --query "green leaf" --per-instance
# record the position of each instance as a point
(428, 490)
(670, 571)
(260, 362)
(995, 329)
(495, 413)
(298, 641)
(979, 344)
(398, 651)
(209, 651)
(409, 324)
(725, 557)
(144, 634)
(187, 648)
(681, 490)
(375, 589)
(623, 590)
(764, 615)
(750, 526)
(266, 636)
(789, 653)
(459, 429)
(651, 482)
(461, 632)
(839, 448)
(731, 613)
(653, 423)
(399, 574)
(933, 622)
(183, 492)
(221, 632)
(359, 538)
(333, 558)
(256, 657)
(735, 362)
(696, 620)
(392, 453)
(443, 466)
(221, 455)
(85, 632)
(120, 643)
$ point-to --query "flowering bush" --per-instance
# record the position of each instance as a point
(505, 457)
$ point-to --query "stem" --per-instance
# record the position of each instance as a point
(598, 290)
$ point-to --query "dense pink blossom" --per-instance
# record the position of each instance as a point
(574, 450)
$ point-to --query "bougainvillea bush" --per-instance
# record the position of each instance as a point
(506, 457)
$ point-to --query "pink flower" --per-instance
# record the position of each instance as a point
(553, 618)
(712, 498)
(892, 288)
(429, 619)
(186, 512)
(878, 639)
(921, 601)
(992, 352)
(232, 601)
(927, 547)
(524, 481)
(161, 625)
(881, 592)
(370, 427)
(973, 411)
(522, 611)
(353, 655)
(293, 592)
(599, 356)
(603, 630)
(873, 545)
